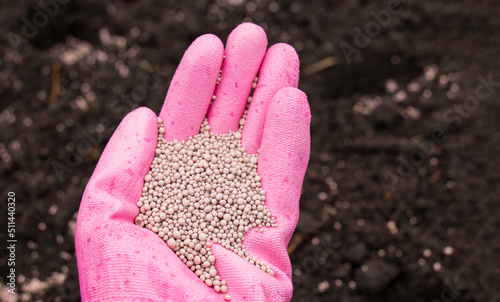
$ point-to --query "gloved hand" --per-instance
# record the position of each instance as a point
(120, 261)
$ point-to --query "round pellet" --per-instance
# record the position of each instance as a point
(204, 190)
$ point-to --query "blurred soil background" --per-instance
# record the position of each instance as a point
(400, 201)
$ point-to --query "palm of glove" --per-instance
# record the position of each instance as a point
(120, 261)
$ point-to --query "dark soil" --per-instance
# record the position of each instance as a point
(400, 202)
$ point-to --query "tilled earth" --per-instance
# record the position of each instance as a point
(400, 201)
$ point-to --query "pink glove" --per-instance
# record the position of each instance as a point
(120, 261)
